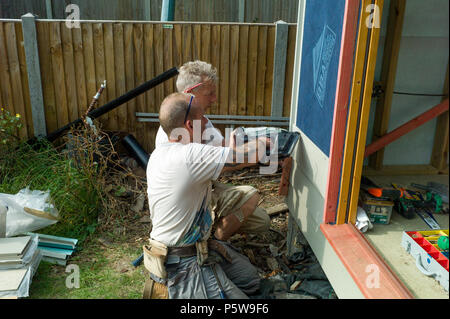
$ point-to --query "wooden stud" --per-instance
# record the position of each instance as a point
(242, 69)
(270, 75)
(215, 61)
(89, 63)
(5, 84)
(439, 155)
(391, 170)
(261, 70)
(365, 112)
(407, 127)
(252, 69)
(388, 74)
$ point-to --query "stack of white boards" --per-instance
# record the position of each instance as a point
(19, 260)
(56, 249)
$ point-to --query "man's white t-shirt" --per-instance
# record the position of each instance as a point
(212, 135)
(179, 190)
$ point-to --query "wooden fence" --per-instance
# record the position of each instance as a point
(251, 11)
(74, 62)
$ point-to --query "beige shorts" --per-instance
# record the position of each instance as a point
(227, 199)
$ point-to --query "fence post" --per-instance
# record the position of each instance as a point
(241, 11)
(279, 68)
(167, 10)
(48, 8)
(34, 74)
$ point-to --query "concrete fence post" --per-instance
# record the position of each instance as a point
(279, 67)
(34, 74)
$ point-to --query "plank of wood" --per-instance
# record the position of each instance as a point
(80, 75)
(439, 154)
(206, 43)
(187, 42)
(139, 74)
(58, 74)
(108, 37)
(391, 170)
(69, 72)
(197, 41)
(388, 74)
(252, 69)
(159, 67)
(48, 91)
(290, 59)
(100, 69)
(89, 62)
(119, 61)
(150, 104)
(242, 70)
(270, 55)
(277, 209)
(215, 61)
(129, 76)
(5, 83)
(365, 113)
(24, 78)
(234, 69)
(169, 85)
(261, 70)
(16, 81)
(350, 137)
(224, 70)
(177, 45)
(407, 127)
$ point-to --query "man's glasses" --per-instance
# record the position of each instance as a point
(188, 109)
(192, 87)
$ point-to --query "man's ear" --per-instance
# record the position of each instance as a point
(189, 125)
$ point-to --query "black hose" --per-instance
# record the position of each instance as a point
(117, 102)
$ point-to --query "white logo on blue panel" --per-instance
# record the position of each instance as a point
(322, 53)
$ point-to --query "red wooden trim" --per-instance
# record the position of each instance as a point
(364, 264)
(350, 26)
(406, 128)
(286, 165)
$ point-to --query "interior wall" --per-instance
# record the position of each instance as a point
(422, 66)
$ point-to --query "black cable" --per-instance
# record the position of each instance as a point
(420, 94)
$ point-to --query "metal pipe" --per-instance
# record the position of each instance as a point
(117, 102)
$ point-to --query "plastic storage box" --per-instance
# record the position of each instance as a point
(430, 259)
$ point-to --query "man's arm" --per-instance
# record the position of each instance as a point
(246, 155)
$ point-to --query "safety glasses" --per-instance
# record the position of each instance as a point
(188, 109)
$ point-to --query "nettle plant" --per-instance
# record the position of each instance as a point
(9, 126)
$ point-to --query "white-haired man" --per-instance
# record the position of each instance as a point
(200, 79)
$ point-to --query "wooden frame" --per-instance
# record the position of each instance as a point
(388, 73)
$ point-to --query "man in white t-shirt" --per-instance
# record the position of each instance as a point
(179, 176)
(200, 79)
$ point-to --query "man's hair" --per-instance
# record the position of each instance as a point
(194, 72)
(173, 110)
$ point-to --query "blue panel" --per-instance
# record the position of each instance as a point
(319, 69)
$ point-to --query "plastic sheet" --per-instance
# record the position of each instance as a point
(28, 211)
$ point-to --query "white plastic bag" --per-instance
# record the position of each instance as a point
(28, 211)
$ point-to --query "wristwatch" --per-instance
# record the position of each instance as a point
(239, 215)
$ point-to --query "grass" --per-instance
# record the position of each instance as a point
(77, 191)
(105, 273)
(72, 190)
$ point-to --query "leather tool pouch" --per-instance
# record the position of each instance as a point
(155, 255)
(202, 251)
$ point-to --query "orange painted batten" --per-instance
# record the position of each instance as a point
(363, 263)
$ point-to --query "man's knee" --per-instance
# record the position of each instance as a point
(250, 205)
